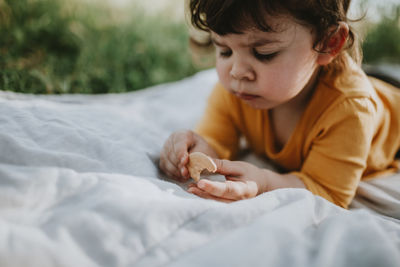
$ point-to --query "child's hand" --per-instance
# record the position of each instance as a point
(243, 180)
(175, 153)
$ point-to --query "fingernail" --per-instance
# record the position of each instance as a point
(183, 169)
(183, 159)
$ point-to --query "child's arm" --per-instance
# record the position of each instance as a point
(334, 163)
(175, 153)
(244, 180)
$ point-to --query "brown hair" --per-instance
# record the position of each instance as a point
(235, 16)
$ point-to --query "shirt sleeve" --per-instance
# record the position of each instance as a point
(338, 154)
(217, 125)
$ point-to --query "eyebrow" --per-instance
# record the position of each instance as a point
(256, 43)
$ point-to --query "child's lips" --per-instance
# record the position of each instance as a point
(247, 97)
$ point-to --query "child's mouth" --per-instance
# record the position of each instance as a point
(246, 97)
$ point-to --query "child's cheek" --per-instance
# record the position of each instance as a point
(224, 79)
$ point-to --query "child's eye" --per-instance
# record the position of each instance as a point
(265, 57)
(226, 53)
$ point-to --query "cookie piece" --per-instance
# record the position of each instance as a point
(199, 162)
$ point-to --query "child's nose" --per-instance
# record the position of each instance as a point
(240, 71)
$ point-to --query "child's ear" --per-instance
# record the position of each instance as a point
(334, 44)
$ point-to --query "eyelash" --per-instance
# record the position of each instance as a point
(261, 57)
(265, 57)
(225, 53)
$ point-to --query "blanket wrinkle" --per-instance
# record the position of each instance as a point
(179, 227)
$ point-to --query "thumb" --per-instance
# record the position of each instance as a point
(228, 168)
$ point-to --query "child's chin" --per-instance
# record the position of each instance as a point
(258, 104)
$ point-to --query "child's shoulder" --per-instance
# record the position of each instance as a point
(342, 95)
(351, 82)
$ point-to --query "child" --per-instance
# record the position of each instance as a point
(288, 85)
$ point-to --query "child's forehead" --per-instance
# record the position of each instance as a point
(253, 36)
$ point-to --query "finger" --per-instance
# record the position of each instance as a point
(232, 178)
(227, 167)
(203, 194)
(181, 143)
(228, 189)
(173, 161)
(192, 185)
(183, 168)
(170, 169)
(172, 151)
(182, 146)
(184, 159)
(162, 164)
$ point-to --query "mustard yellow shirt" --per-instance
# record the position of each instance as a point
(349, 131)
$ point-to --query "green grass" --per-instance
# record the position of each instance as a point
(66, 46)
(382, 43)
(49, 47)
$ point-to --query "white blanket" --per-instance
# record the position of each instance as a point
(79, 186)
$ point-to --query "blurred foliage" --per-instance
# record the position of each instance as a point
(53, 46)
(72, 46)
(382, 42)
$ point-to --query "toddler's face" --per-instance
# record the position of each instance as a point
(267, 69)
